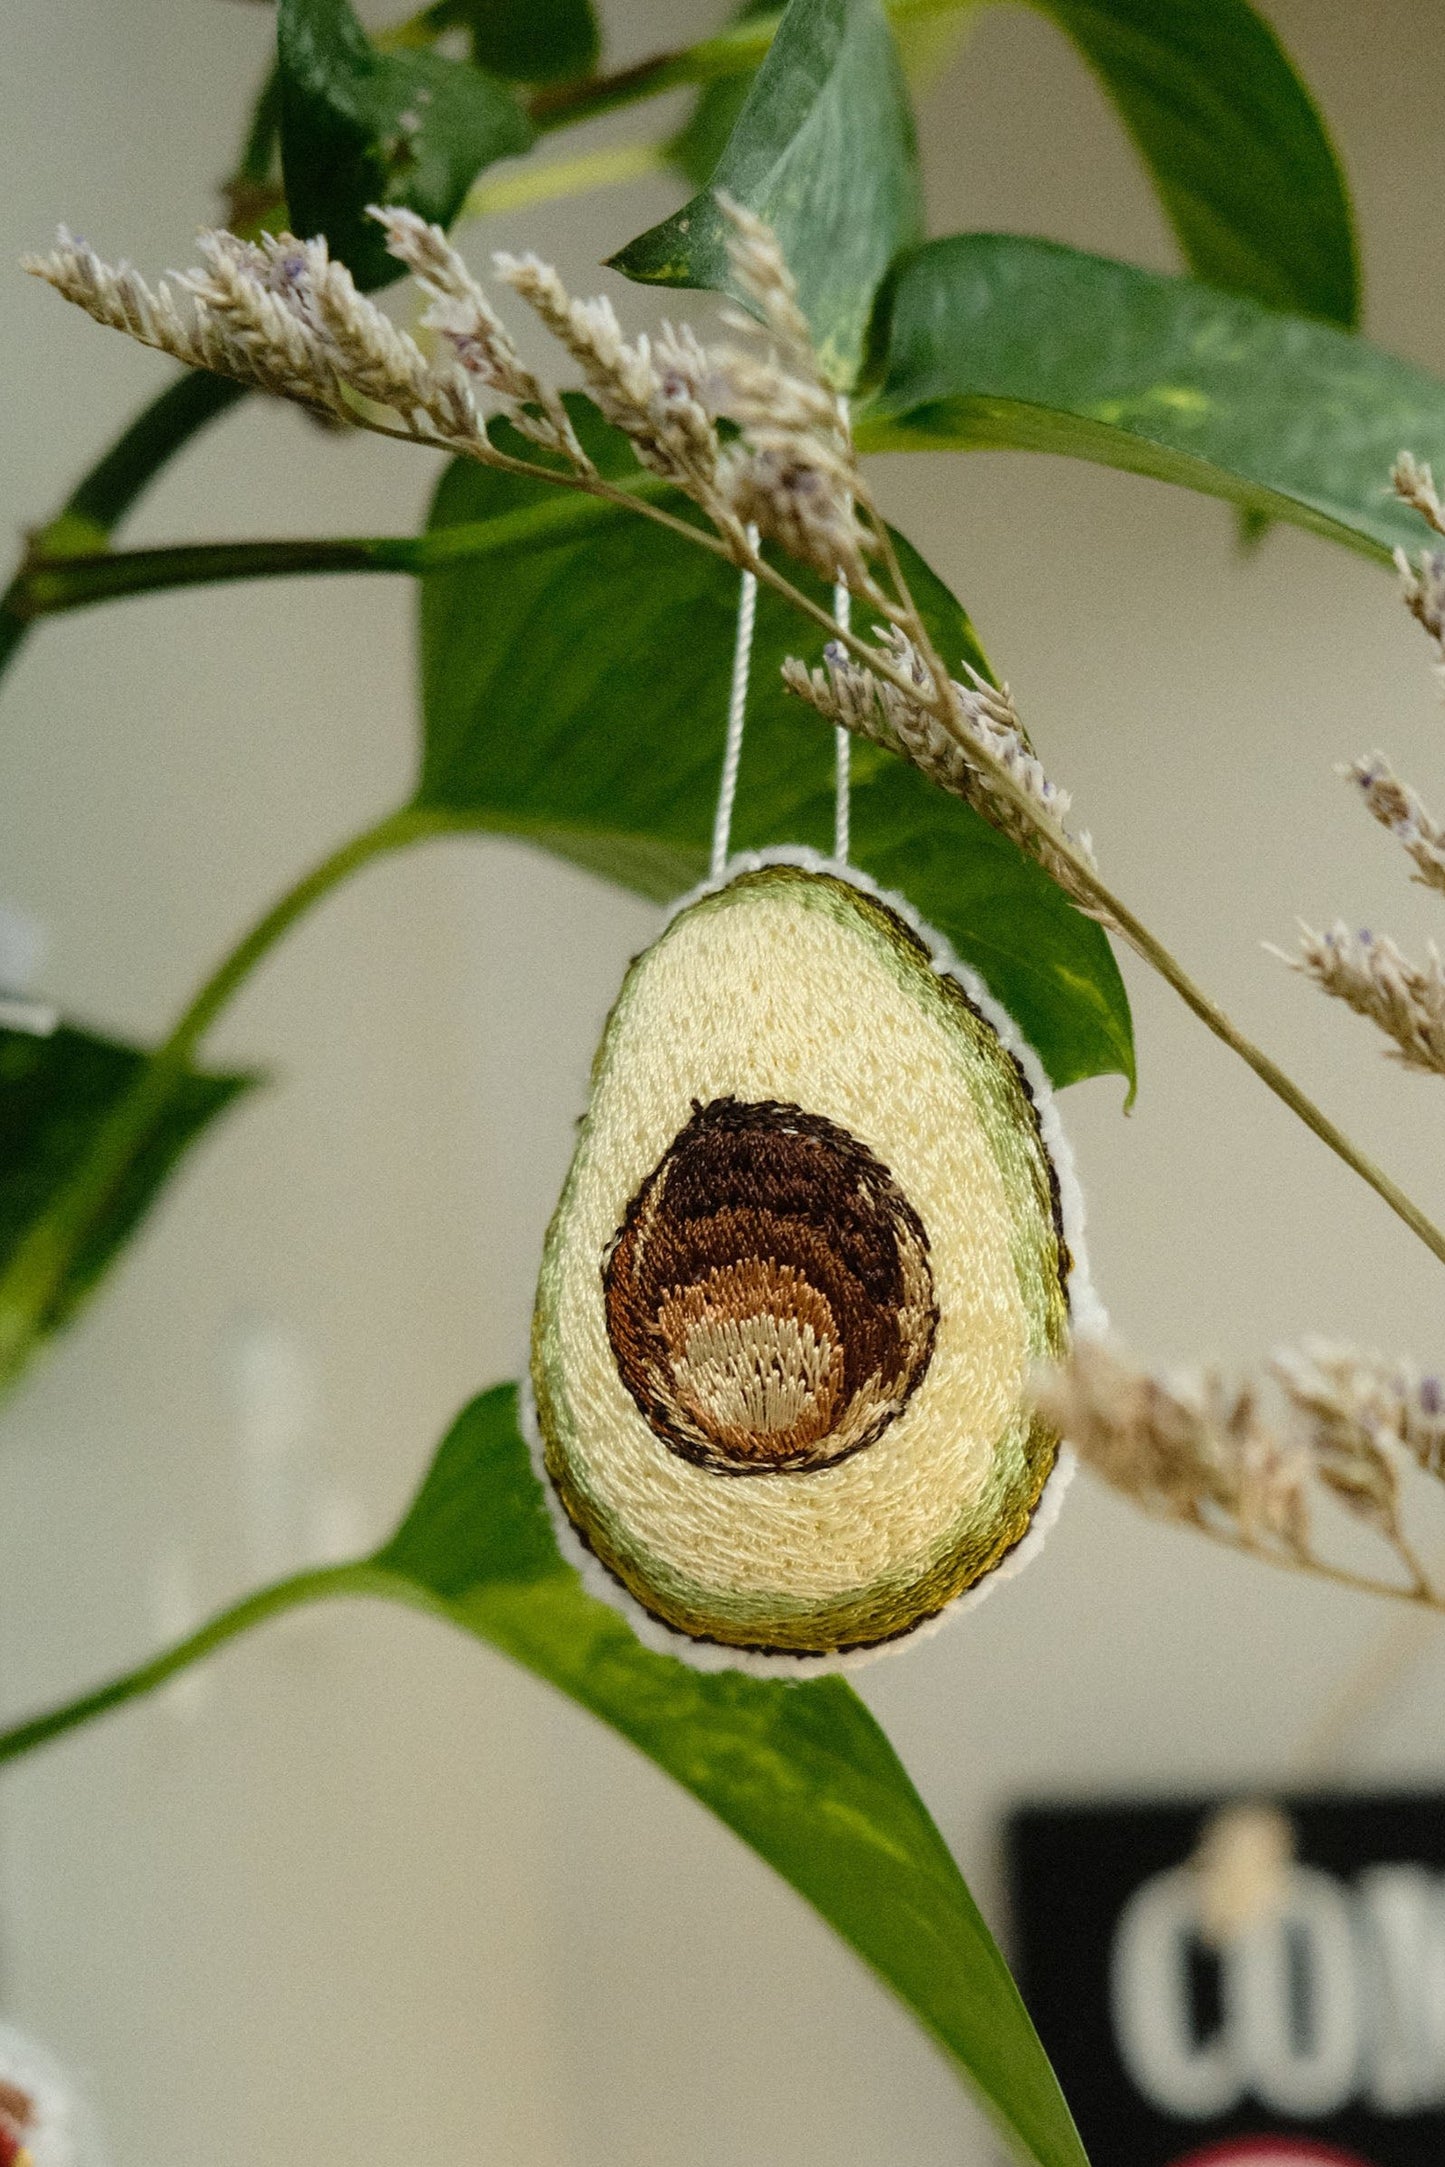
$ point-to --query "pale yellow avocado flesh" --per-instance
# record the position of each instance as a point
(794, 990)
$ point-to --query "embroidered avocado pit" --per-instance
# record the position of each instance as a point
(769, 1298)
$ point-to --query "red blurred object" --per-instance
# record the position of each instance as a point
(1272, 2152)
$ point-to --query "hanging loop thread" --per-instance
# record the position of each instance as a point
(842, 739)
(737, 714)
(842, 742)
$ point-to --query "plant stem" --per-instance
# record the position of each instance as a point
(1421, 1592)
(101, 499)
(50, 586)
(1152, 950)
(36, 1274)
(1110, 907)
(607, 168)
(734, 51)
(307, 1587)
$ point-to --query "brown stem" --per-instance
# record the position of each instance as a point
(1422, 1592)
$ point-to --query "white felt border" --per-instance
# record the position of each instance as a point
(1087, 1315)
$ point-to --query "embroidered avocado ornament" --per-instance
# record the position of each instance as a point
(819, 1227)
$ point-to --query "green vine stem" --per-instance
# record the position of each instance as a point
(368, 1577)
(46, 586)
(609, 167)
(734, 51)
(98, 503)
(36, 1274)
(270, 1602)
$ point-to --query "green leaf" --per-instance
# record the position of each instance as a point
(526, 41)
(801, 1773)
(824, 150)
(1001, 343)
(703, 137)
(1229, 135)
(578, 699)
(1233, 142)
(56, 1095)
(361, 127)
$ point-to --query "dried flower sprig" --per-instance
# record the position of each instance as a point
(1190, 1448)
(1195, 1448)
(281, 316)
(1406, 1000)
(656, 394)
(1414, 484)
(1422, 582)
(463, 316)
(284, 316)
(1397, 808)
(793, 473)
(252, 333)
(853, 694)
(1367, 970)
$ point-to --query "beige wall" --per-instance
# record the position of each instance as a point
(363, 1891)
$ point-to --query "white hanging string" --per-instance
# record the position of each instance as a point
(842, 741)
(737, 712)
(737, 716)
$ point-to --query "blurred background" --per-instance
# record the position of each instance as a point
(359, 1890)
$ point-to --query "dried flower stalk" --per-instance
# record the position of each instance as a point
(462, 315)
(1414, 484)
(281, 316)
(1196, 1449)
(986, 723)
(1396, 807)
(1375, 978)
(794, 472)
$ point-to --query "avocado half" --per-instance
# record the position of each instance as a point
(819, 1228)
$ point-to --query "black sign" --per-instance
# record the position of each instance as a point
(1316, 2038)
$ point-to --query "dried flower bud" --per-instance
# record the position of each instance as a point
(761, 274)
(1396, 807)
(1414, 484)
(1349, 1425)
(656, 396)
(1372, 976)
(982, 719)
(1197, 1450)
